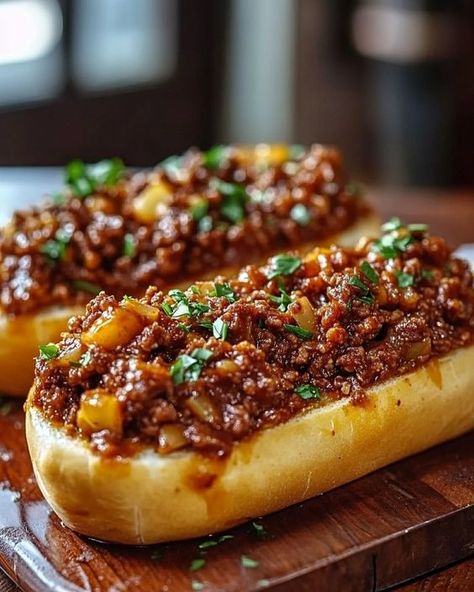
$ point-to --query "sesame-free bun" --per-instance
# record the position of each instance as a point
(20, 336)
(149, 498)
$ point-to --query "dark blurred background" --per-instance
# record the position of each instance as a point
(391, 82)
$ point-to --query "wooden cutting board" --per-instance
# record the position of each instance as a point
(400, 522)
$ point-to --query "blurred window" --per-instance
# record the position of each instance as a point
(31, 59)
(119, 43)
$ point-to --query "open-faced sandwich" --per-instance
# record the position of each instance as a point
(199, 214)
(184, 413)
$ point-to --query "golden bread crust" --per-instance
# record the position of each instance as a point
(150, 498)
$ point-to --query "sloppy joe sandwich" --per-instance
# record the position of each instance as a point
(186, 412)
(198, 214)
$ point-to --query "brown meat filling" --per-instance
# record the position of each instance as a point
(193, 214)
(210, 366)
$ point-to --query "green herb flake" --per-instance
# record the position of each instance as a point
(300, 214)
(366, 297)
(248, 562)
(129, 248)
(391, 225)
(84, 286)
(172, 165)
(84, 179)
(358, 283)
(199, 209)
(207, 544)
(417, 228)
(167, 309)
(264, 583)
(220, 329)
(283, 300)
(369, 272)
(296, 151)
(197, 585)
(234, 198)
(197, 564)
(83, 360)
(308, 391)
(205, 224)
(283, 265)
(189, 367)
(405, 280)
(298, 331)
(224, 290)
(427, 274)
(55, 249)
(49, 351)
(259, 531)
(215, 157)
(183, 327)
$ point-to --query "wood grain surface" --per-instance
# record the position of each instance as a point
(396, 524)
(388, 528)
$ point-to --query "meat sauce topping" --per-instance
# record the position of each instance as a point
(209, 366)
(112, 231)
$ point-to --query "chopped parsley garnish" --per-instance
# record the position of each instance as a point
(197, 585)
(189, 367)
(392, 224)
(129, 249)
(308, 391)
(367, 297)
(300, 214)
(258, 530)
(427, 274)
(197, 564)
(49, 351)
(234, 199)
(83, 179)
(224, 290)
(83, 360)
(84, 286)
(214, 542)
(283, 300)
(416, 228)
(298, 331)
(405, 279)
(248, 562)
(172, 165)
(283, 265)
(183, 327)
(205, 224)
(295, 151)
(369, 272)
(389, 246)
(184, 307)
(215, 157)
(220, 329)
(199, 209)
(167, 308)
(55, 249)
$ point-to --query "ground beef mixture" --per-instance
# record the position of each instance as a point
(210, 366)
(109, 230)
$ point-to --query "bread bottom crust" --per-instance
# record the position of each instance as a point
(151, 498)
(21, 336)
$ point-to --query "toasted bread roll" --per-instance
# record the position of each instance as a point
(151, 498)
(182, 414)
(187, 218)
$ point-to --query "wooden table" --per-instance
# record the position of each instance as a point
(450, 213)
